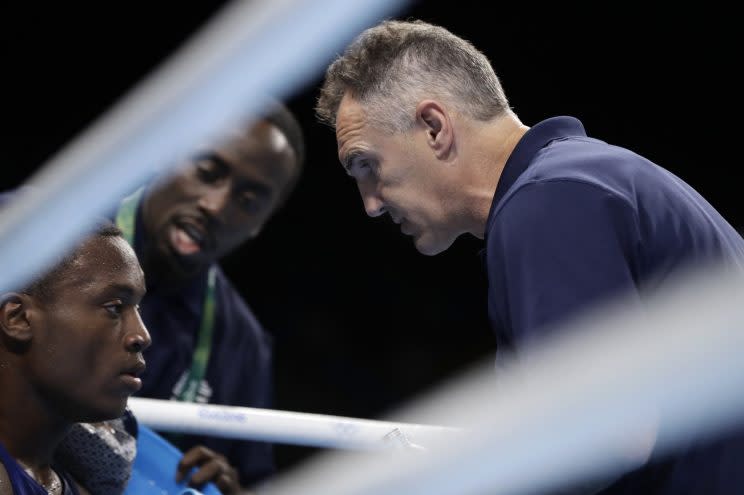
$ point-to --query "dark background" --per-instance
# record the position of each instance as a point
(362, 322)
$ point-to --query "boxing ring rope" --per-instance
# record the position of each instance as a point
(312, 430)
(593, 401)
(249, 48)
(588, 404)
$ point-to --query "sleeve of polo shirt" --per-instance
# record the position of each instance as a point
(560, 247)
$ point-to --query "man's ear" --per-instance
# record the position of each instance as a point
(15, 323)
(438, 125)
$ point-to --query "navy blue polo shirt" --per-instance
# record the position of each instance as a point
(239, 369)
(575, 221)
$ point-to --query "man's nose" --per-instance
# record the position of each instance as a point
(215, 199)
(373, 204)
(137, 338)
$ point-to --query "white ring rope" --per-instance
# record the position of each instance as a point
(589, 403)
(314, 430)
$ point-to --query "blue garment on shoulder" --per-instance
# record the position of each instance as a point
(23, 484)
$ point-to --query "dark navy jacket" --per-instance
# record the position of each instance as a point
(575, 221)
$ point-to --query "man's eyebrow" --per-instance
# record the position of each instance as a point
(123, 291)
(212, 156)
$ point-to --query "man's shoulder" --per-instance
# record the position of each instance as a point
(561, 209)
(549, 194)
(580, 169)
(587, 160)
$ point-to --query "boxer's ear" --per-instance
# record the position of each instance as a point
(15, 321)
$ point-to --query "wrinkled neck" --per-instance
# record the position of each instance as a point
(491, 146)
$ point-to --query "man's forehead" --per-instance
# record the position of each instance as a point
(266, 143)
(350, 112)
(350, 122)
(227, 138)
(103, 258)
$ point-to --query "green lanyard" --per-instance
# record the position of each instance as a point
(125, 220)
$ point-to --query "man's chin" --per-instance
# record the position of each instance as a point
(430, 247)
(185, 267)
(171, 267)
(102, 413)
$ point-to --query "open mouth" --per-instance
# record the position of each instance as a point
(187, 238)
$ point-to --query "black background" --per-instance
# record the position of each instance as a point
(362, 322)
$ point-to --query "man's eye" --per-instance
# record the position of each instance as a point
(362, 165)
(114, 309)
(208, 171)
(246, 200)
(249, 202)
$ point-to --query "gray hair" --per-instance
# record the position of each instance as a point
(391, 67)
